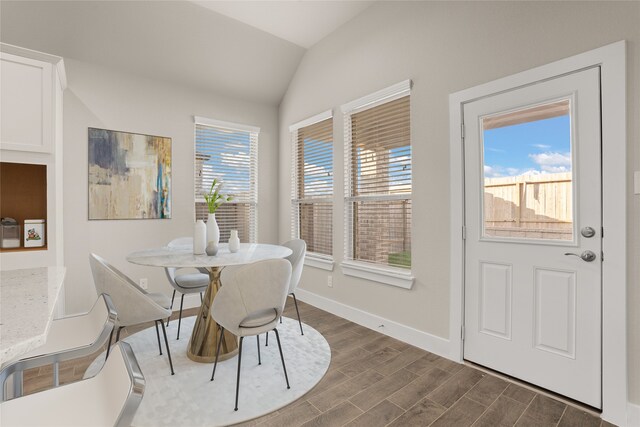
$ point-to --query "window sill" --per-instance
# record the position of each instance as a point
(317, 261)
(387, 275)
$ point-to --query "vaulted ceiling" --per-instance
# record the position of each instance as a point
(197, 44)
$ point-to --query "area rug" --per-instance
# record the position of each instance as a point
(189, 398)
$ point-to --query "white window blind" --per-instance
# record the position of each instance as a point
(312, 184)
(378, 178)
(228, 152)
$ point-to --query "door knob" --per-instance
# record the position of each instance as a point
(588, 232)
(587, 256)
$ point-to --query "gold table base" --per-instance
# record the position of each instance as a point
(204, 338)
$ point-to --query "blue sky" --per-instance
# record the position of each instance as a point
(538, 147)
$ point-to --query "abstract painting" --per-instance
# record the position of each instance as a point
(129, 175)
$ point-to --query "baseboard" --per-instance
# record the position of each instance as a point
(633, 415)
(423, 340)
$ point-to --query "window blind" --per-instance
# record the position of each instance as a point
(312, 186)
(230, 154)
(378, 180)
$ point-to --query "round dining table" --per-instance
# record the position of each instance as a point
(204, 336)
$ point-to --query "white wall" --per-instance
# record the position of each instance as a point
(445, 47)
(99, 97)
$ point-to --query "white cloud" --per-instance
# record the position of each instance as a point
(552, 162)
(541, 146)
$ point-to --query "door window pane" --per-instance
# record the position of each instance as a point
(528, 173)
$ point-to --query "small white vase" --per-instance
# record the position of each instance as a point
(234, 241)
(199, 237)
(213, 232)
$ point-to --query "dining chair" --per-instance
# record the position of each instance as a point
(68, 338)
(298, 251)
(110, 398)
(185, 283)
(134, 304)
(250, 302)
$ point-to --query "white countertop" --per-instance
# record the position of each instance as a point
(182, 256)
(27, 301)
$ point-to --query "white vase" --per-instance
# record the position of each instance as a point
(234, 241)
(199, 237)
(213, 232)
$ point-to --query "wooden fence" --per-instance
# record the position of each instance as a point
(530, 206)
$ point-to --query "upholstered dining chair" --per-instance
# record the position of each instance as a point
(110, 398)
(134, 304)
(250, 302)
(298, 251)
(68, 338)
(192, 283)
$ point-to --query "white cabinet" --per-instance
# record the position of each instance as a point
(31, 87)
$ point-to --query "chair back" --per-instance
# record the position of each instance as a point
(110, 398)
(130, 300)
(180, 242)
(251, 289)
(299, 249)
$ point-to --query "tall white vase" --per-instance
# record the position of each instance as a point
(213, 232)
(199, 237)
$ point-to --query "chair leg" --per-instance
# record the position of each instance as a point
(118, 334)
(201, 298)
(295, 301)
(215, 364)
(282, 357)
(158, 335)
(109, 345)
(166, 344)
(180, 316)
(238, 380)
(171, 306)
(258, 341)
(266, 344)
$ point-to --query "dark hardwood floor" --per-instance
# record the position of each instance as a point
(375, 380)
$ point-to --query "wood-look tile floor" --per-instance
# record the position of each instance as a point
(375, 380)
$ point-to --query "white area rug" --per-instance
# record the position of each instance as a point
(189, 398)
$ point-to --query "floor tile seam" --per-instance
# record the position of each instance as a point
(486, 409)
(343, 382)
(524, 411)
(470, 398)
(434, 403)
(562, 415)
(314, 406)
(401, 414)
(446, 382)
(407, 385)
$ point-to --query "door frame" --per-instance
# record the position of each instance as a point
(612, 62)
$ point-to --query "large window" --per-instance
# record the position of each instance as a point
(229, 153)
(378, 179)
(312, 184)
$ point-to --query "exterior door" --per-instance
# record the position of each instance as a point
(533, 219)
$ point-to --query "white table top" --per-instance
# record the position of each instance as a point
(27, 301)
(182, 256)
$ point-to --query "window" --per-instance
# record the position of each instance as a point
(378, 184)
(228, 152)
(312, 187)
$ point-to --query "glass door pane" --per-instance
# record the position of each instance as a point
(528, 179)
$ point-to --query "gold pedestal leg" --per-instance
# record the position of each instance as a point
(204, 338)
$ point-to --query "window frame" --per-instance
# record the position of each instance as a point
(390, 275)
(313, 259)
(254, 137)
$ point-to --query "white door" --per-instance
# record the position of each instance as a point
(533, 234)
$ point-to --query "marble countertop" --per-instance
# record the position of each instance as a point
(27, 301)
(182, 256)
